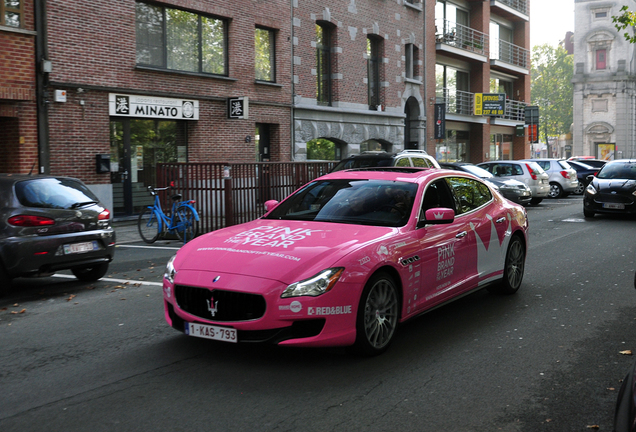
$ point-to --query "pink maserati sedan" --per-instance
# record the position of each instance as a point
(347, 258)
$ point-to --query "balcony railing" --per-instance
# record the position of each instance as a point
(515, 110)
(510, 53)
(460, 36)
(518, 5)
(462, 102)
(457, 101)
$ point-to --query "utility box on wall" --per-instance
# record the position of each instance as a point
(102, 163)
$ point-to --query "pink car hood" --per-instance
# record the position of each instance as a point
(286, 251)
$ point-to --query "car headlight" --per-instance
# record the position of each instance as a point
(590, 189)
(315, 285)
(170, 272)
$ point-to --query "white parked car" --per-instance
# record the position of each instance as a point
(526, 172)
(563, 179)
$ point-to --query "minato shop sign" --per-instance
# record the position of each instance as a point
(152, 107)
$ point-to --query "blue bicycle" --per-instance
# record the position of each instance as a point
(183, 220)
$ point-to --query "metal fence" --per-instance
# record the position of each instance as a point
(232, 193)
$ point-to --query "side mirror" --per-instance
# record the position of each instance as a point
(589, 178)
(269, 205)
(437, 216)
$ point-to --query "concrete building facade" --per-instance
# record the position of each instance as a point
(604, 83)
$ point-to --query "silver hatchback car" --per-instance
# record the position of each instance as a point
(526, 172)
(563, 179)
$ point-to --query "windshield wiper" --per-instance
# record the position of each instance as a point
(82, 204)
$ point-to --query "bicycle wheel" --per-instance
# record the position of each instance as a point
(186, 224)
(148, 226)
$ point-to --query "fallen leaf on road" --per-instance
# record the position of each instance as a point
(71, 297)
(593, 427)
(626, 352)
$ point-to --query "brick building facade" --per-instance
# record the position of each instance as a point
(149, 82)
(18, 107)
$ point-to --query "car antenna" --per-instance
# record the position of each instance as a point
(32, 166)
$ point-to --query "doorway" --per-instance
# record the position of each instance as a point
(262, 141)
(136, 147)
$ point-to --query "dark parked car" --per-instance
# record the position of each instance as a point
(613, 190)
(583, 171)
(49, 224)
(596, 163)
(514, 190)
(372, 159)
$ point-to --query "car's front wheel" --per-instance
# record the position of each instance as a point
(90, 274)
(513, 268)
(556, 191)
(580, 189)
(588, 213)
(378, 315)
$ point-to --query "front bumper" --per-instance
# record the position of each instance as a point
(609, 203)
(254, 308)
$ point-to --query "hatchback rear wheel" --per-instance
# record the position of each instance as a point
(556, 191)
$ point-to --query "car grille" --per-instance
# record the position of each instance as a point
(614, 198)
(220, 305)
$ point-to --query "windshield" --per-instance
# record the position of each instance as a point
(618, 170)
(364, 202)
(54, 193)
(479, 172)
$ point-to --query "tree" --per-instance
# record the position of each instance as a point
(623, 21)
(552, 89)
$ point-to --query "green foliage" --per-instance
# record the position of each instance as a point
(321, 149)
(552, 89)
(625, 20)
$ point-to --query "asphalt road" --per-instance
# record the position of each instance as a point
(100, 357)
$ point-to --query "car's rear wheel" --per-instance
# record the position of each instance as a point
(580, 189)
(90, 274)
(513, 268)
(556, 191)
(378, 315)
(535, 201)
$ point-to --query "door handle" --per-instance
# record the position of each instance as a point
(501, 220)
(461, 234)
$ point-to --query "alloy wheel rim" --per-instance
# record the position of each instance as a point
(381, 314)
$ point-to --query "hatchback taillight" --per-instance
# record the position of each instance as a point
(565, 174)
(31, 221)
(531, 171)
(104, 215)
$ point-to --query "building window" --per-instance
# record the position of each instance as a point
(12, 13)
(601, 59)
(178, 40)
(265, 60)
(412, 60)
(600, 14)
(374, 46)
(323, 63)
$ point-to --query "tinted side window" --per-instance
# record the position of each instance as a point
(517, 170)
(469, 194)
(544, 164)
(403, 162)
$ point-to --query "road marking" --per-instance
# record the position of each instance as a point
(122, 281)
(148, 247)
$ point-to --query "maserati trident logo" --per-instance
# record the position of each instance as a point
(212, 306)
